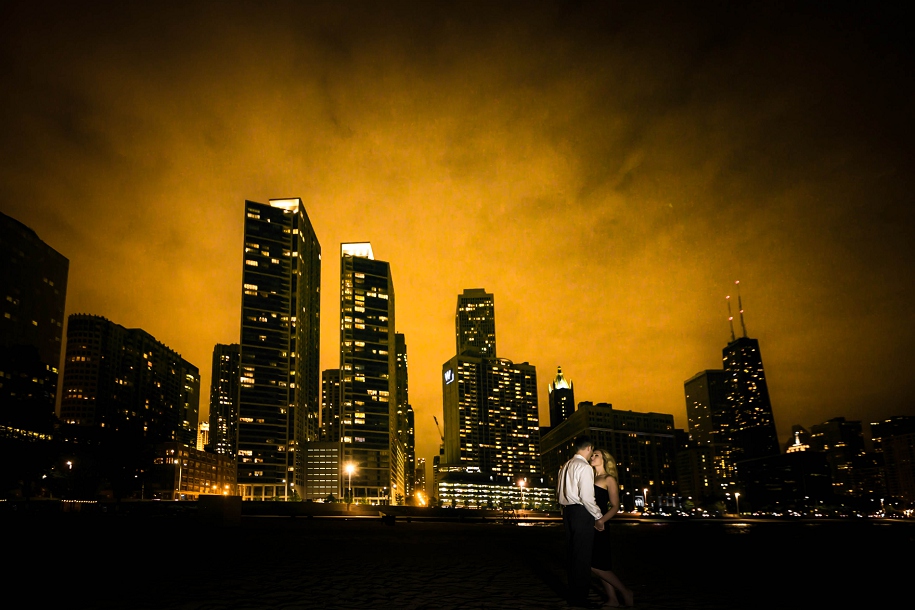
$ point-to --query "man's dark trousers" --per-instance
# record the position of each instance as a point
(579, 524)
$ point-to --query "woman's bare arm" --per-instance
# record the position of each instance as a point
(614, 490)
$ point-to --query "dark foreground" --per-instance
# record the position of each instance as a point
(297, 563)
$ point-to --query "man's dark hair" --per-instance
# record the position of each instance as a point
(583, 442)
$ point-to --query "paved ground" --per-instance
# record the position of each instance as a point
(284, 563)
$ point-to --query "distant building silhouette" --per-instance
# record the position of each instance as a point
(753, 433)
(475, 323)
(899, 455)
(280, 392)
(799, 441)
(842, 442)
(404, 421)
(125, 381)
(710, 419)
(224, 387)
(368, 372)
(798, 480)
(562, 399)
(730, 416)
(892, 426)
(643, 444)
(33, 291)
(419, 477)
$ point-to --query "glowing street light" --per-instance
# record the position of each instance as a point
(350, 467)
(521, 483)
(737, 497)
(645, 495)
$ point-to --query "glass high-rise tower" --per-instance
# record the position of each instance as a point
(280, 386)
(710, 419)
(753, 432)
(490, 408)
(368, 372)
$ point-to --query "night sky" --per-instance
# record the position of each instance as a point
(606, 171)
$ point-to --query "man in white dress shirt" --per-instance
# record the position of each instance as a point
(580, 516)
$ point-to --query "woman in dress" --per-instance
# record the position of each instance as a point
(607, 496)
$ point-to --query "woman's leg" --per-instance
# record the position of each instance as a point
(612, 584)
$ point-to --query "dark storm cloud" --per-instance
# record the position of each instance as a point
(606, 170)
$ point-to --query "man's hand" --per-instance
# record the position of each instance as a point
(599, 525)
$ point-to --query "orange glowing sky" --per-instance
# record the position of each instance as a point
(606, 172)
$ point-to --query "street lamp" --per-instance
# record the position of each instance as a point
(737, 497)
(645, 495)
(521, 483)
(350, 467)
(178, 489)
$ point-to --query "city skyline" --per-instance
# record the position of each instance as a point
(606, 172)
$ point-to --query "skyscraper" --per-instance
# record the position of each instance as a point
(368, 375)
(419, 478)
(33, 291)
(710, 421)
(280, 391)
(491, 416)
(224, 400)
(562, 399)
(405, 431)
(753, 432)
(475, 322)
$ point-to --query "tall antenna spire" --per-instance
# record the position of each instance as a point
(730, 318)
(740, 305)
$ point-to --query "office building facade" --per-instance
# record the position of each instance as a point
(280, 392)
(491, 416)
(186, 473)
(125, 381)
(330, 405)
(643, 444)
(405, 431)
(224, 386)
(33, 281)
(475, 323)
(368, 376)
(419, 479)
(710, 421)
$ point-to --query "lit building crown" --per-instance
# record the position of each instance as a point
(560, 383)
(357, 250)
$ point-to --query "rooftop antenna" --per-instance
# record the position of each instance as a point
(740, 305)
(730, 318)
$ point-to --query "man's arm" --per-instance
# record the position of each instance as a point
(586, 492)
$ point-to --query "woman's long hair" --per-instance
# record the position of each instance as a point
(609, 464)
